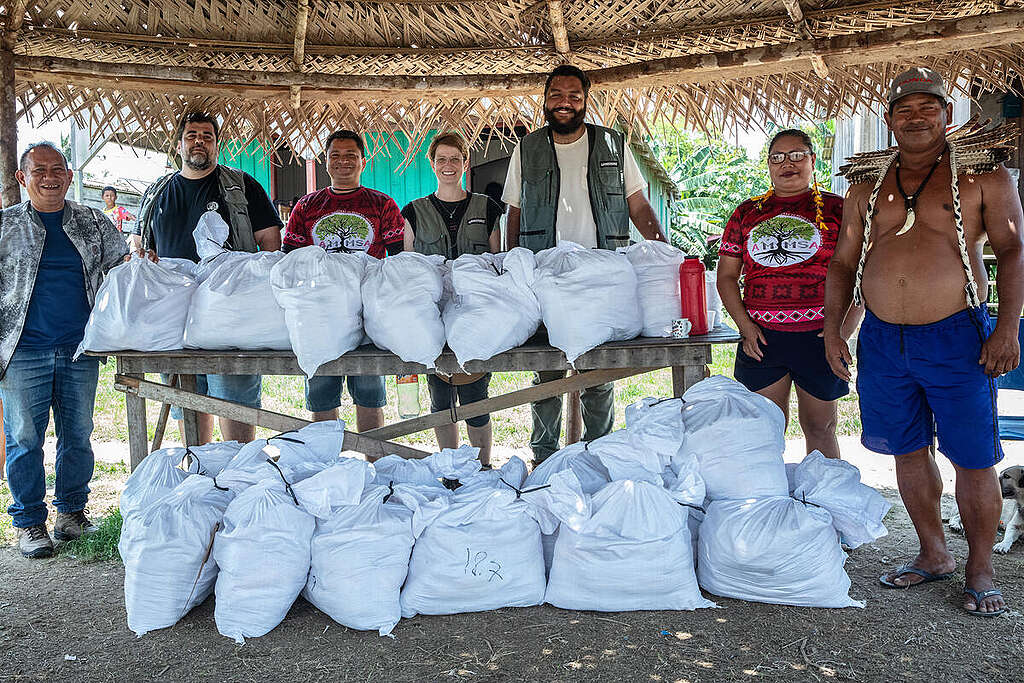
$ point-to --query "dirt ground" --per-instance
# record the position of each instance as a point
(64, 620)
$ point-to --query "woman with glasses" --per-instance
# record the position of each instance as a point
(781, 243)
(451, 222)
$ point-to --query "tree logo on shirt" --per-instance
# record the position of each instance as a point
(783, 240)
(343, 231)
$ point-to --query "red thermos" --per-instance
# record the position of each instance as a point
(693, 296)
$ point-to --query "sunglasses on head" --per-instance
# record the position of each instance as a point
(794, 156)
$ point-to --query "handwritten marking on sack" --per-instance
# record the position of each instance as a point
(477, 564)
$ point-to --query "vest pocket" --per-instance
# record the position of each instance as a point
(435, 246)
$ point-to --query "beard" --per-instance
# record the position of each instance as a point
(571, 126)
(198, 160)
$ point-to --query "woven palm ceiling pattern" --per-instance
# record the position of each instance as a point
(288, 72)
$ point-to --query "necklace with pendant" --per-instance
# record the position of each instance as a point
(458, 205)
(910, 201)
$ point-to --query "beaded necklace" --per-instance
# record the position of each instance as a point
(819, 203)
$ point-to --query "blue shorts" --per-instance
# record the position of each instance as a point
(801, 355)
(918, 380)
(244, 389)
(441, 397)
(324, 392)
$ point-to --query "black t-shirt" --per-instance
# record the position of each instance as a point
(183, 201)
(452, 213)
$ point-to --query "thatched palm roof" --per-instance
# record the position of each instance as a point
(288, 71)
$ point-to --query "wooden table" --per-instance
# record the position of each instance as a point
(688, 359)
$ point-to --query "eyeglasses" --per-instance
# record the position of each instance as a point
(794, 156)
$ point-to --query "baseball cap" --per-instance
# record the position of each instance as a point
(917, 80)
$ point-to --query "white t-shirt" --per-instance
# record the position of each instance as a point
(575, 220)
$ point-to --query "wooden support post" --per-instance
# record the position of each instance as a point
(138, 439)
(10, 193)
(573, 416)
(161, 422)
(685, 376)
(189, 417)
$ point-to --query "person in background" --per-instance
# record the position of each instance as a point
(452, 222)
(781, 243)
(346, 217)
(574, 181)
(170, 211)
(118, 215)
(54, 256)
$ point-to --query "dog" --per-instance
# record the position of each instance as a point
(1011, 483)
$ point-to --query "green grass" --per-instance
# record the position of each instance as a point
(100, 546)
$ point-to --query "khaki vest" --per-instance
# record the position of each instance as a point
(231, 184)
(606, 185)
(432, 236)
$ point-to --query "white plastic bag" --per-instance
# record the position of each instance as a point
(322, 301)
(482, 552)
(776, 550)
(657, 273)
(210, 458)
(492, 308)
(857, 509)
(449, 463)
(657, 423)
(632, 553)
(166, 552)
(298, 455)
(234, 307)
(139, 306)
(153, 478)
(263, 548)
(402, 306)
(360, 557)
(210, 234)
(587, 297)
(738, 437)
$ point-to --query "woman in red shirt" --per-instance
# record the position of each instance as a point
(781, 243)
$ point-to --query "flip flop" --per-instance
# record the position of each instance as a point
(978, 597)
(926, 576)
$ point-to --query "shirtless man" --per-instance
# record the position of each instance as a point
(927, 349)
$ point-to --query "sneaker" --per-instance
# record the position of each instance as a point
(70, 525)
(34, 542)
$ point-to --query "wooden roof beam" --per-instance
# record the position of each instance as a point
(299, 48)
(558, 31)
(796, 14)
(897, 44)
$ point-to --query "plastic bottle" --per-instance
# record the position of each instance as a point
(408, 387)
(692, 295)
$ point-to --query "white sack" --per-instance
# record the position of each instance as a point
(263, 548)
(153, 478)
(857, 509)
(657, 423)
(587, 297)
(322, 301)
(492, 308)
(210, 235)
(298, 455)
(211, 458)
(360, 557)
(449, 463)
(738, 437)
(511, 474)
(774, 550)
(633, 553)
(402, 306)
(482, 552)
(657, 273)
(234, 307)
(166, 549)
(181, 266)
(139, 306)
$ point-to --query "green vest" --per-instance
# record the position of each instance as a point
(538, 195)
(432, 236)
(231, 184)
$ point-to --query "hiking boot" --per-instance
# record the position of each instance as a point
(34, 542)
(70, 525)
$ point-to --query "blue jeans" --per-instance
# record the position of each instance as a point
(37, 380)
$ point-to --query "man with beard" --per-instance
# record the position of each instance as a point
(914, 224)
(579, 182)
(170, 210)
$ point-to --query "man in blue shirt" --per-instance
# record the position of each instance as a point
(53, 254)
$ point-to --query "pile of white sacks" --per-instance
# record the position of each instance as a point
(319, 305)
(692, 494)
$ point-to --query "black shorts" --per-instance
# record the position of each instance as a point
(801, 355)
(441, 396)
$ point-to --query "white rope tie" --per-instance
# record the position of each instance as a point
(858, 298)
(971, 288)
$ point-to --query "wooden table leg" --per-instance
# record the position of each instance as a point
(161, 423)
(138, 438)
(685, 376)
(189, 417)
(573, 416)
